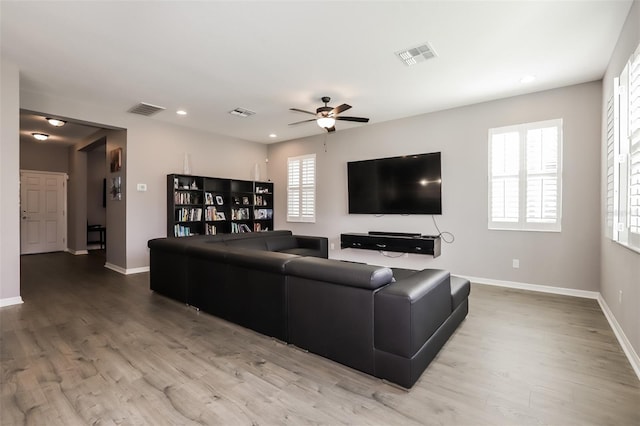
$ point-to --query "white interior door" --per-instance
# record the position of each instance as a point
(43, 199)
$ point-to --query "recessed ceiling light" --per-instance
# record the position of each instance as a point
(181, 112)
(527, 79)
(40, 136)
(55, 122)
(273, 135)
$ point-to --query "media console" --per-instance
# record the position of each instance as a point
(393, 241)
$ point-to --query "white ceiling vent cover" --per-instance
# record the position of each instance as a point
(145, 109)
(416, 54)
(242, 112)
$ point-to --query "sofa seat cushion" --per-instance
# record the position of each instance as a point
(460, 290)
(300, 251)
(337, 272)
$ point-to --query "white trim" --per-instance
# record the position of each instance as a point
(76, 252)
(631, 354)
(125, 271)
(9, 301)
(627, 348)
(585, 294)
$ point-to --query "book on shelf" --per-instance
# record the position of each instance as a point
(210, 229)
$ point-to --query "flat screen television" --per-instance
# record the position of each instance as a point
(410, 184)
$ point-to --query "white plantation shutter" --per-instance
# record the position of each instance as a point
(634, 150)
(623, 145)
(504, 186)
(612, 180)
(525, 176)
(542, 175)
(301, 189)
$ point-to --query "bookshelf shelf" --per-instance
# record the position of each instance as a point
(200, 205)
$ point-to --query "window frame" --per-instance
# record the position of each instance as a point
(523, 176)
(304, 192)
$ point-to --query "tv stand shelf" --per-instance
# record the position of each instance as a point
(422, 244)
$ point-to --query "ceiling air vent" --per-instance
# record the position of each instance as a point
(145, 109)
(416, 54)
(242, 112)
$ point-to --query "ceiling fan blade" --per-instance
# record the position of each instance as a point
(356, 119)
(331, 129)
(337, 110)
(303, 121)
(301, 110)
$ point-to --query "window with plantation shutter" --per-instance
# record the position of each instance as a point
(634, 150)
(624, 226)
(612, 179)
(301, 189)
(525, 176)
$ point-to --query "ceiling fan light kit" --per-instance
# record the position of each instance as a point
(326, 116)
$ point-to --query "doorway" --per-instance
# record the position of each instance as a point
(43, 206)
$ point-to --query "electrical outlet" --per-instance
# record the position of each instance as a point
(333, 246)
(516, 263)
(620, 297)
(142, 187)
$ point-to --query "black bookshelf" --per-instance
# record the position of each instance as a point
(200, 205)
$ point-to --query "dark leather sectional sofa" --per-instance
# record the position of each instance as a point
(389, 323)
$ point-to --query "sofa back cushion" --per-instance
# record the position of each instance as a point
(338, 272)
(281, 243)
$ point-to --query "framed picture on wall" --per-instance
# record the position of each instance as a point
(116, 188)
(116, 160)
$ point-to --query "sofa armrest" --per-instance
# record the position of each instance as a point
(319, 244)
(409, 311)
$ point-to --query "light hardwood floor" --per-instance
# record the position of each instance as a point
(90, 346)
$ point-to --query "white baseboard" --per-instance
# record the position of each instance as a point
(77, 252)
(125, 271)
(11, 301)
(631, 354)
(536, 287)
(627, 348)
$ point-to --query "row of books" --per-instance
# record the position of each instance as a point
(181, 231)
(239, 227)
(259, 200)
(189, 215)
(210, 229)
(186, 197)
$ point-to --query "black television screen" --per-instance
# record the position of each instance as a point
(409, 184)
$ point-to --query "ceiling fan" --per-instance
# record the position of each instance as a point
(326, 116)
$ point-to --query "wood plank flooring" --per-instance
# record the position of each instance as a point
(90, 346)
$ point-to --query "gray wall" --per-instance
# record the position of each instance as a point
(45, 157)
(9, 182)
(153, 150)
(569, 259)
(620, 266)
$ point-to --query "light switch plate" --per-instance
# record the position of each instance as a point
(142, 187)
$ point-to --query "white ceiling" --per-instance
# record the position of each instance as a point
(209, 57)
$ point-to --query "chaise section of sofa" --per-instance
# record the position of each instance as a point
(384, 322)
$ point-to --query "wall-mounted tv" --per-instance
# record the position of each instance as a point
(410, 184)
